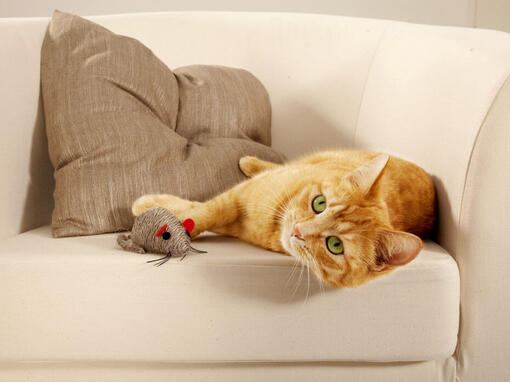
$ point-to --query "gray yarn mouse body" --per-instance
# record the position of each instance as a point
(158, 230)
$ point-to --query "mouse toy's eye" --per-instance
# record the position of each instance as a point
(166, 235)
(335, 245)
(319, 204)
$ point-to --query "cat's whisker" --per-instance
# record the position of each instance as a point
(258, 206)
(298, 284)
(286, 197)
(271, 189)
(275, 213)
(321, 287)
(269, 214)
(296, 262)
(308, 280)
(257, 209)
(281, 198)
(304, 256)
(312, 261)
(254, 209)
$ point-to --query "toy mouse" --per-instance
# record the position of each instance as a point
(158, 230)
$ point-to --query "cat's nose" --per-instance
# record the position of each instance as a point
(295, 232)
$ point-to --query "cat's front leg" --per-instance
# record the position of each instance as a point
(216, 212)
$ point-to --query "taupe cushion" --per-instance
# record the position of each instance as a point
(121, 124)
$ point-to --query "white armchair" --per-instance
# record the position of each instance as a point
(438, 96)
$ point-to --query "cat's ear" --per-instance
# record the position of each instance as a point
(364, 177)
(395, 248)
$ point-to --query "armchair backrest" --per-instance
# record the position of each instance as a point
(433, 95)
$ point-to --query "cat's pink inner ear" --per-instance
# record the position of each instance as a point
(188, 224)
(400, 249)
(364, 177)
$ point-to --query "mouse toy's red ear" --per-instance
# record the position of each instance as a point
(188, 224)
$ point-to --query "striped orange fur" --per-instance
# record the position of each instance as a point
(377, 206)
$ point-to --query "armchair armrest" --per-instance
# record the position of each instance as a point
(483, 250)
(442, 100)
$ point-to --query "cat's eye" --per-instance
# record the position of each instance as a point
(319, 204)
(166, 235)
(335, 245)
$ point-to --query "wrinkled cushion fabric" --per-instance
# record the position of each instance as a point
(121, 124)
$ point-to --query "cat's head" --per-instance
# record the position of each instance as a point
(341, 229)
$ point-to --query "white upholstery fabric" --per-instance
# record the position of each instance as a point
(430, 371)
(433, 95)
(450, 112)
(485, 338)
(24, 161)
(83, 298)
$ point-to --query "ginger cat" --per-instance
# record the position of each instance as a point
(349, 215)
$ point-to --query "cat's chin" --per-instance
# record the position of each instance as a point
(285, 241)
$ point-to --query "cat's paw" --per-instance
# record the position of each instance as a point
(251, 166)
(246, 165)
(170, 202)
(143, 203)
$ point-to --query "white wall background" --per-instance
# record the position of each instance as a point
(493, 14)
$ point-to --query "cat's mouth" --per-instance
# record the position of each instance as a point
(292, 244)
(298, 239)
(286, 241)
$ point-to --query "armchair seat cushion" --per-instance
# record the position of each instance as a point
(84, 298)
